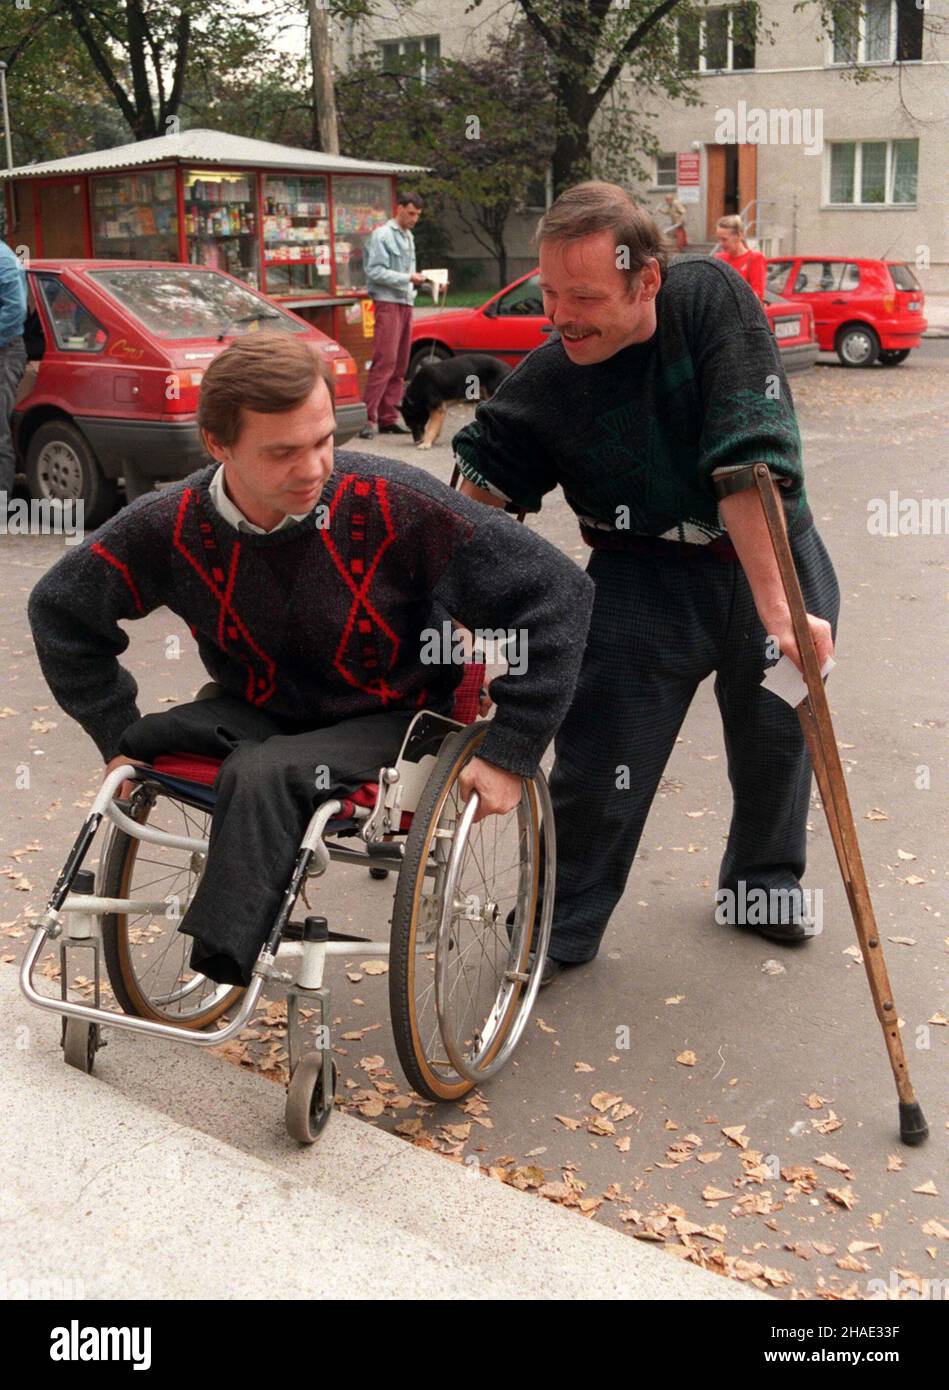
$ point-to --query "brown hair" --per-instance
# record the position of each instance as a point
(269, 372)
(596, 206)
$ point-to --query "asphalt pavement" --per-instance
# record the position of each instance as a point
(753, 1130)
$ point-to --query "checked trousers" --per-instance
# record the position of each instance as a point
(662, 624)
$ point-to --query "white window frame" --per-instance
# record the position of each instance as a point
(409, 39)
(862, 60)
(730, 42)
(657, 183)
(888, 204)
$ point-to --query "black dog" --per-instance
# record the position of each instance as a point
(472, 376)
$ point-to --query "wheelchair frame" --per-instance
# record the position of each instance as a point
(399, 790)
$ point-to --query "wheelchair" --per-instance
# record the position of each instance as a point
(462, 977)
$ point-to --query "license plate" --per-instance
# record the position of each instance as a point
(787, 328)
(914, 306)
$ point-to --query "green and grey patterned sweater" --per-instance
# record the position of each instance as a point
(634, 441)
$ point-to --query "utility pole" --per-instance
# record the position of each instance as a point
(325, 130)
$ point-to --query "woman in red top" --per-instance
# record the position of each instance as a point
(732, 247)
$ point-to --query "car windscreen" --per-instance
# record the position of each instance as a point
(903, 277)
(191, 303)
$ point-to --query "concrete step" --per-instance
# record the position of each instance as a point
(168, 1173)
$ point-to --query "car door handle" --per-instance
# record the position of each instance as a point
(548, 329)
(838, 301)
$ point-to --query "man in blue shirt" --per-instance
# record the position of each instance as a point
(12, 358)
(391, 278)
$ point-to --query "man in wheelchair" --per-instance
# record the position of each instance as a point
(308, 582)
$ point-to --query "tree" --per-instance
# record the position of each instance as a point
(482, 127)
(590, 44)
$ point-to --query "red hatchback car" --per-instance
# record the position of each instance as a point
(513, 322)
(866, 311)
(118, 350)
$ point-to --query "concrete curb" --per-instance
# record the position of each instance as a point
(168, 1174)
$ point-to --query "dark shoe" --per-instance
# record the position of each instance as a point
(552, 968)
(394, 428)
(785, 933)
(368, 431)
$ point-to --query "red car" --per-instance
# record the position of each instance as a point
(513, 323)
(119, 349)
(866, 311)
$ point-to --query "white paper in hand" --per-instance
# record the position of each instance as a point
(785, 680)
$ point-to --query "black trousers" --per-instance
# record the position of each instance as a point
(273, 776)
(660, 626)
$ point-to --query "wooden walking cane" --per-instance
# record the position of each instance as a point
(814, 714)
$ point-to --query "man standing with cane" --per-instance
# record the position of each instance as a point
(659, 383)
(391, 278)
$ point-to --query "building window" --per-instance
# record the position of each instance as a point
(873, 172)
(885, 31)
(723, 40)
(666, 171)
(417, 53)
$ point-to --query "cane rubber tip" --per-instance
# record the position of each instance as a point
(913, 1126)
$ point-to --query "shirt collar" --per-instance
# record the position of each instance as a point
(234, 515)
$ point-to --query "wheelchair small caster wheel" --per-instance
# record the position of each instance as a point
(309, 1102)
(80, 1043)
(376, 872)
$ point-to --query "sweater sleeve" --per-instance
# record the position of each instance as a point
(493, 575)
(500, 450)
(748, 411)
(75, 611)
(377, 265)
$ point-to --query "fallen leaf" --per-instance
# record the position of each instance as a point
(828, 1161)
(876, 814)
(843, 1196)
(715, 1194)
(928, 1189)
(568, 1122)
(582, 1066)
(687, 1059)
(602, 1100)
(902, 940)
(736, 1133)
(675, 999)
(904, 854)
(374, 967)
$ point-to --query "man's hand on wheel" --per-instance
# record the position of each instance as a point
(499, 791)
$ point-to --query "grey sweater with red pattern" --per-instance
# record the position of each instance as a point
(321, 622)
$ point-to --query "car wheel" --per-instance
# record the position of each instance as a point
(857, 346)
(61, 466)
(428, 352)
(892, 357)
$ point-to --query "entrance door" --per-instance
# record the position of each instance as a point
(63, 218)
(732, 182)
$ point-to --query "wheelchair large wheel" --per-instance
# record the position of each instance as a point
(145, 954)
(461, 985)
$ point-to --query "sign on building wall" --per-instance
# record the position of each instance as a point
(688, 175)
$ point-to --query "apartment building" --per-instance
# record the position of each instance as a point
(816, 162)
